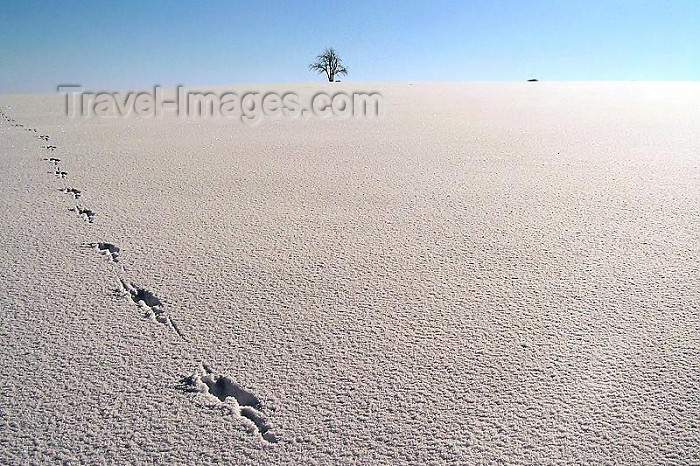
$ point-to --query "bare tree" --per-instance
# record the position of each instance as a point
(330, 63)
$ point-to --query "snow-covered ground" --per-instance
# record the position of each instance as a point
(490, 273)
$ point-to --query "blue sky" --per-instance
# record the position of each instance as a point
(114, 45)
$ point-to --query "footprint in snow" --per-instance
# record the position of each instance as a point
(72, 191)
(150, 303)
(109, 249)
(227, 391)
(87, 214)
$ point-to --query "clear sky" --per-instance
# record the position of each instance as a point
(117, 45)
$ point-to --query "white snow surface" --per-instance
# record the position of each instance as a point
(491, 273)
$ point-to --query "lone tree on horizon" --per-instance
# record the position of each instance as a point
(330, 63)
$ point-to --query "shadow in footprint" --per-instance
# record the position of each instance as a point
(224, 388)
(74, 192)
(154, 307)
(87, 214)
(112, 250)
(139, 294)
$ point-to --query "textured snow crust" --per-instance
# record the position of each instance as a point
(494, 273)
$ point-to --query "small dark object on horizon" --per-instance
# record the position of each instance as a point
(533, 80)
(329, 63)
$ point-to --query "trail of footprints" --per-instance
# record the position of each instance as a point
(241, 402)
